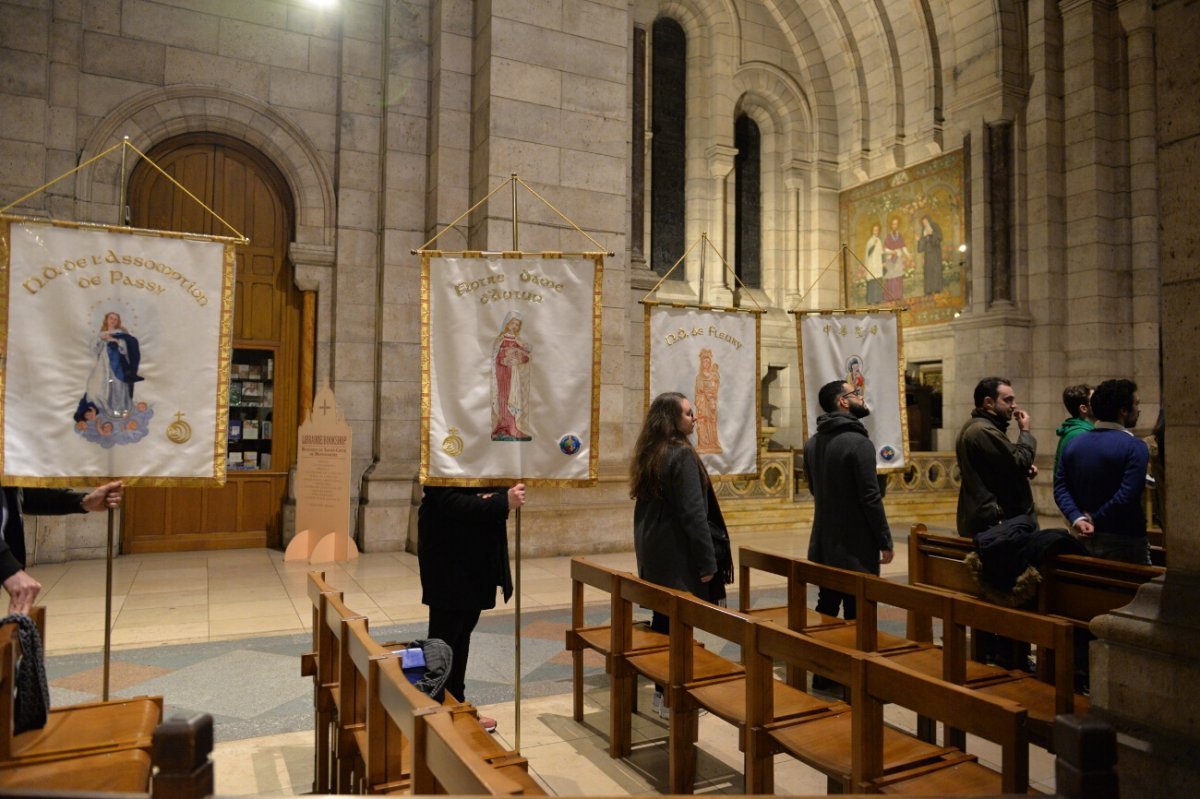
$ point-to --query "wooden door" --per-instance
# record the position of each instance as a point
(242, 186)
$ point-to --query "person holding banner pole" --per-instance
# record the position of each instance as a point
(679, 535)
(462, 552)
(22, 588)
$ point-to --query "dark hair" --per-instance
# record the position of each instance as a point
(1075, 396)
(829, 395)
(1111, 397)
(660, 430)
(989, 387)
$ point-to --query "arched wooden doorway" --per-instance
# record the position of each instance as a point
(241, 185)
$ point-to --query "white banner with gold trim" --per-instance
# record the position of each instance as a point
(711, 357)
(863, 349)
(510, 368)
(117, 345)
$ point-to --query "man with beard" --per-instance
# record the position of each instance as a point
(850, 528)
(995, 471)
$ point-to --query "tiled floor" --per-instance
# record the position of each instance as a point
(218, 631)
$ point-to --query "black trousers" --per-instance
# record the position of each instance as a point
(454, 626)
(829, 601)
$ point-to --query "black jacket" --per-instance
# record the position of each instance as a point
(462, 547)
(35, 502)
(849, 527)
(671, 534)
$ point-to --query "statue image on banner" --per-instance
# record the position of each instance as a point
(708, 385)
(107, 414)
(854, 375)
(510, 382)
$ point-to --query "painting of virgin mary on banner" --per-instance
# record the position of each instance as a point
(118, 345)
(711, 357)
(862, 349)
(510, 369)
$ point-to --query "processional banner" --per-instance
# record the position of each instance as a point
(863, 349)
(510, 368)
(711, 356)
(117, 345)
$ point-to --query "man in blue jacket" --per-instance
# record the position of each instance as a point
(1103, 472)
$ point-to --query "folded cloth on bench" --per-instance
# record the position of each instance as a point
(32, 704)
(438, 657)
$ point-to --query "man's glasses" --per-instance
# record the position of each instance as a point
(856, 392)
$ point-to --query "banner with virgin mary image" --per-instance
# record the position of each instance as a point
(510, 368)
(864, 351)
(117, 345)
(711, 357)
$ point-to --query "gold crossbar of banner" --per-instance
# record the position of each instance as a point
(512, 179)
(126, 143)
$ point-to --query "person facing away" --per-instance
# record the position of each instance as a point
(850, 529)
(1078, 402)
(995, 471)
(462, 552)
(676, 518)
(1099, 484)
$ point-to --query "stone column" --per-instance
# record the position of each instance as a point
(1137, 19)
(795, 180)
(717, 285)
(1146, 661)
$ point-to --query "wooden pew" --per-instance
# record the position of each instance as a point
(956, 773)
(383, 758)
(726, 697)
(655, 664)
(92, 728)
(345, 720)
(320, 664)
(796, 614)
(580, 636)
(823, 741)
(1075, 587)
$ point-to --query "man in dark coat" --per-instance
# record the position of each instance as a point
(995, 471)
(462, 549)
(850, 529)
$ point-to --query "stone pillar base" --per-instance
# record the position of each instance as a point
(1145, 678)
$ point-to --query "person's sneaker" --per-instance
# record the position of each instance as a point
(657, 705)
(664, 713)
(488, 724)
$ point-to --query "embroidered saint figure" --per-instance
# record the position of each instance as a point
(708, 385)
(510, 383)
(109, 387)
(854, 375)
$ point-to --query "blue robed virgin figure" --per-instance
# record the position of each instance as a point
(109, 388)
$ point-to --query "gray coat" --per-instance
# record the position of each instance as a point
(671, 536)
(849, 525)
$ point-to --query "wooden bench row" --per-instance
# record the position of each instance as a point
(1074, 587)
(849, 743)
(376, 733)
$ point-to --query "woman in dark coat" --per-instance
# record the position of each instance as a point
(676, 516)
(462, 549)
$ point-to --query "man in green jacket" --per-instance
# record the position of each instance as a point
(1078, 401)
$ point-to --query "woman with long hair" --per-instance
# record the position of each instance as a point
(679, 535)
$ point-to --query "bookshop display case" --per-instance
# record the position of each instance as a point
(251, 409)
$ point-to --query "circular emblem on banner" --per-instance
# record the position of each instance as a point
(178, 431)
(452, 445)
(569, 444)
(887, 452)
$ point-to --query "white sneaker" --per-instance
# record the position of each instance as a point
(664, 713)
(657, 705)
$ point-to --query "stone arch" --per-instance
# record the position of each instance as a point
(153, 116)
(783, 100)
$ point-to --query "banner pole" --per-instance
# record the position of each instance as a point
(516, 245)
(108, 591)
